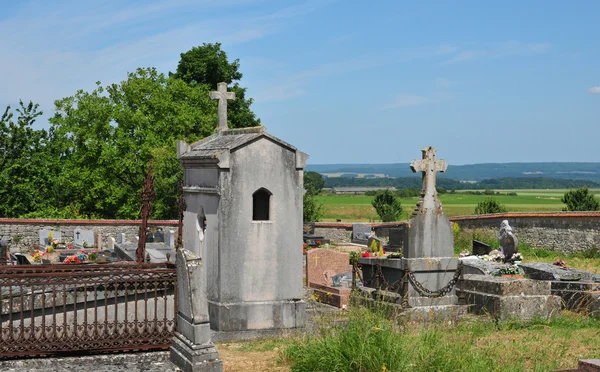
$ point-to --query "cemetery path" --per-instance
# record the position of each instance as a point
(236, 360)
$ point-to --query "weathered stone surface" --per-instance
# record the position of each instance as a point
(192, 349)
(504, 286)
(546, 271)
(509, 244)
(477, 266)
(507, 298)
(253, 260)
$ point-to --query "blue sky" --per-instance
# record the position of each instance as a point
(345, 81)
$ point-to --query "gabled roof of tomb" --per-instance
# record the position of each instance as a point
(230, 140)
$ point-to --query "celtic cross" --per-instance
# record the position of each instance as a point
(428, 166)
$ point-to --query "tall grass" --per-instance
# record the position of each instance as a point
(370, 341)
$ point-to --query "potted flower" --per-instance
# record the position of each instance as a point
(37, 256)
(511, 271)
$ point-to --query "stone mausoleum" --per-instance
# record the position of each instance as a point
(244, 188)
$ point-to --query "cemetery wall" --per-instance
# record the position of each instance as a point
(559, 231)
(342, 232)
(23, 233)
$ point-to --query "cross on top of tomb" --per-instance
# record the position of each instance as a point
(428, 166)
(223, 96)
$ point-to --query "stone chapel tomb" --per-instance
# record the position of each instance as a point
(243, 189)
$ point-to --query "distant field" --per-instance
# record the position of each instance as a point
(358, 207)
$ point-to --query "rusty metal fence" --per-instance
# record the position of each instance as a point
(69, 309)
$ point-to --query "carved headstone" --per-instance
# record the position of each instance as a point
(429, 239)
(83, 238)
(192, 348)
(509, 243)
(323, 264)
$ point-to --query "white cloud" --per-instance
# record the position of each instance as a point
(594, 90)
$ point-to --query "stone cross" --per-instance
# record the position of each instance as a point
(222, 95)
(428, 166)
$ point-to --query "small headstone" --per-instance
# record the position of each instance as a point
(44, 237)
(323, 264)
(111, 243)
(83, 238)
(360, 233)
(170, 238)
(121, 238)
(396, 239)
(480, 248)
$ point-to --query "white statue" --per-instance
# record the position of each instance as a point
(509, 245)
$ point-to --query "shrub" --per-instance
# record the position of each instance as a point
(313, 209)
(580, 200)
(490, 205)
(387, 205)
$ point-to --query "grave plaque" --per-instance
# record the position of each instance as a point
(396, 239)
(83, 238)
(44, 237)
(480, 248)
(360, 233)
(329, 275)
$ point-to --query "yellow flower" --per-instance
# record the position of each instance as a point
(384, 368)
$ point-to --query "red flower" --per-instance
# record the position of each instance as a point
(365, 254)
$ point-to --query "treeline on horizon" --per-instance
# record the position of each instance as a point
(506, 183)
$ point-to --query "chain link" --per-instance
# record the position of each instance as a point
(378, 274)
(440, 292)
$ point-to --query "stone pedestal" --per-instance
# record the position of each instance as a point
(192, 349)
(507, 298)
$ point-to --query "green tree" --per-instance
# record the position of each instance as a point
(106, 138)
(313, 184)
(580, 200)
(489, 205)
(387, 205)
(208, 65)
(26, 169)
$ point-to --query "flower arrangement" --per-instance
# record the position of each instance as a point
(93, 256)
(72, 260)
(516, 257)
(50, 249)
(464, 253)
(395, 255)
(509, 270)
(37, 255)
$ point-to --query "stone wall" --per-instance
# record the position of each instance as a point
(558, 231)
(339, 232)
(23, 234)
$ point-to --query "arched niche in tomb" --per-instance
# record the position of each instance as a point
(261, 200)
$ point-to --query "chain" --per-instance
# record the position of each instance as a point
(378, 273)
(440, 292)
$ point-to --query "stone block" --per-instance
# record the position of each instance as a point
(256, 315)
(503, 286)
(194, 358)
(508, 298)
(334, 296)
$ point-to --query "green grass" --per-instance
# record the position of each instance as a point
(370, 341)
(356, 208)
